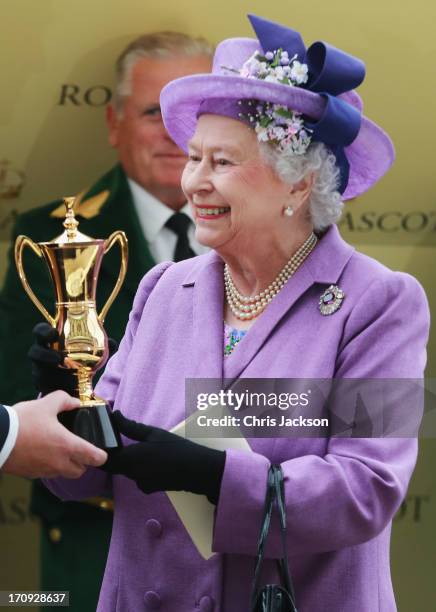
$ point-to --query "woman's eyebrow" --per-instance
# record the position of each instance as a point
(192, 145)
(225, 148)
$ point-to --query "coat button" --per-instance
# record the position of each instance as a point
(206, 604)
(154, 527)
(152, 600)
(55, 534)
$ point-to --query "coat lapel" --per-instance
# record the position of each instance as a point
(207, 287)
(324, 265)
(258, 334)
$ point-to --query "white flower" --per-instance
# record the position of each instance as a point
(262, 134)
(271, 78)
(278, 133)
(262, 68)
(299, 73)
(279, 72)
(251, 67)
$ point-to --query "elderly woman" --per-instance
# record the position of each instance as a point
(276, 142)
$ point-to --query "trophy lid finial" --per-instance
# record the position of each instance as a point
(71, 224)
(71, 233)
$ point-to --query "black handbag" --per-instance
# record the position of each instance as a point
(273, 597)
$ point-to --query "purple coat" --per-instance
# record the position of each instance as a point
(341, 493)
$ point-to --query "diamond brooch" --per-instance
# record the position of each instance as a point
(331, 300)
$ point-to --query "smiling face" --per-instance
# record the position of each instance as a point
(236, 197)
(145, 150)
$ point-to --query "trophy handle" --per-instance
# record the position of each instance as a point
(120, 237)
(20, 244)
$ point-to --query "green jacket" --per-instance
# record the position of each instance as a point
(75, 536)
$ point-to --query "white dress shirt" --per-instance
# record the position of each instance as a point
(152, 216)
(11, 438)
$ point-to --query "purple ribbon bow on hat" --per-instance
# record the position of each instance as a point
(331, 73)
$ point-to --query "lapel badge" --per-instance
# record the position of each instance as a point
(331, 300)
(87, 209)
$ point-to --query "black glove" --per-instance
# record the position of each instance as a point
(162, 461)
(47, 372)
(47, 375)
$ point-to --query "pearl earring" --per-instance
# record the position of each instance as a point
(289, 211)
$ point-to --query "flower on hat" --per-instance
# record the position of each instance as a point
(274, 123)
(274, 67)
(280, 126)
(299, 73)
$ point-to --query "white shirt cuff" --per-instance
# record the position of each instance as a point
(11, 437)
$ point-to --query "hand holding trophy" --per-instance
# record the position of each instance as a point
(74, 261)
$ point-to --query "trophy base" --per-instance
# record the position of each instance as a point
(92, 423)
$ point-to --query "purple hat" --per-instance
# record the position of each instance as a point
(325, 98)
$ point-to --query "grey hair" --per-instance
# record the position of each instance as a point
(325, 202)
(155, 45)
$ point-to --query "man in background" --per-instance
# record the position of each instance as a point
(141, 195)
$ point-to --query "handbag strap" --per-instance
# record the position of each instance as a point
(283, 562)
(264, 529)
(275, 492)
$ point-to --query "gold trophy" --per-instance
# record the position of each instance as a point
(74, 262)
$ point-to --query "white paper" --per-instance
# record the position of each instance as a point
(195, 511)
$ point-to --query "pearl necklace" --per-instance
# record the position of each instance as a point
(249, 307)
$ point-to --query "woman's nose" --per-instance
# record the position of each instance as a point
(196, 178)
